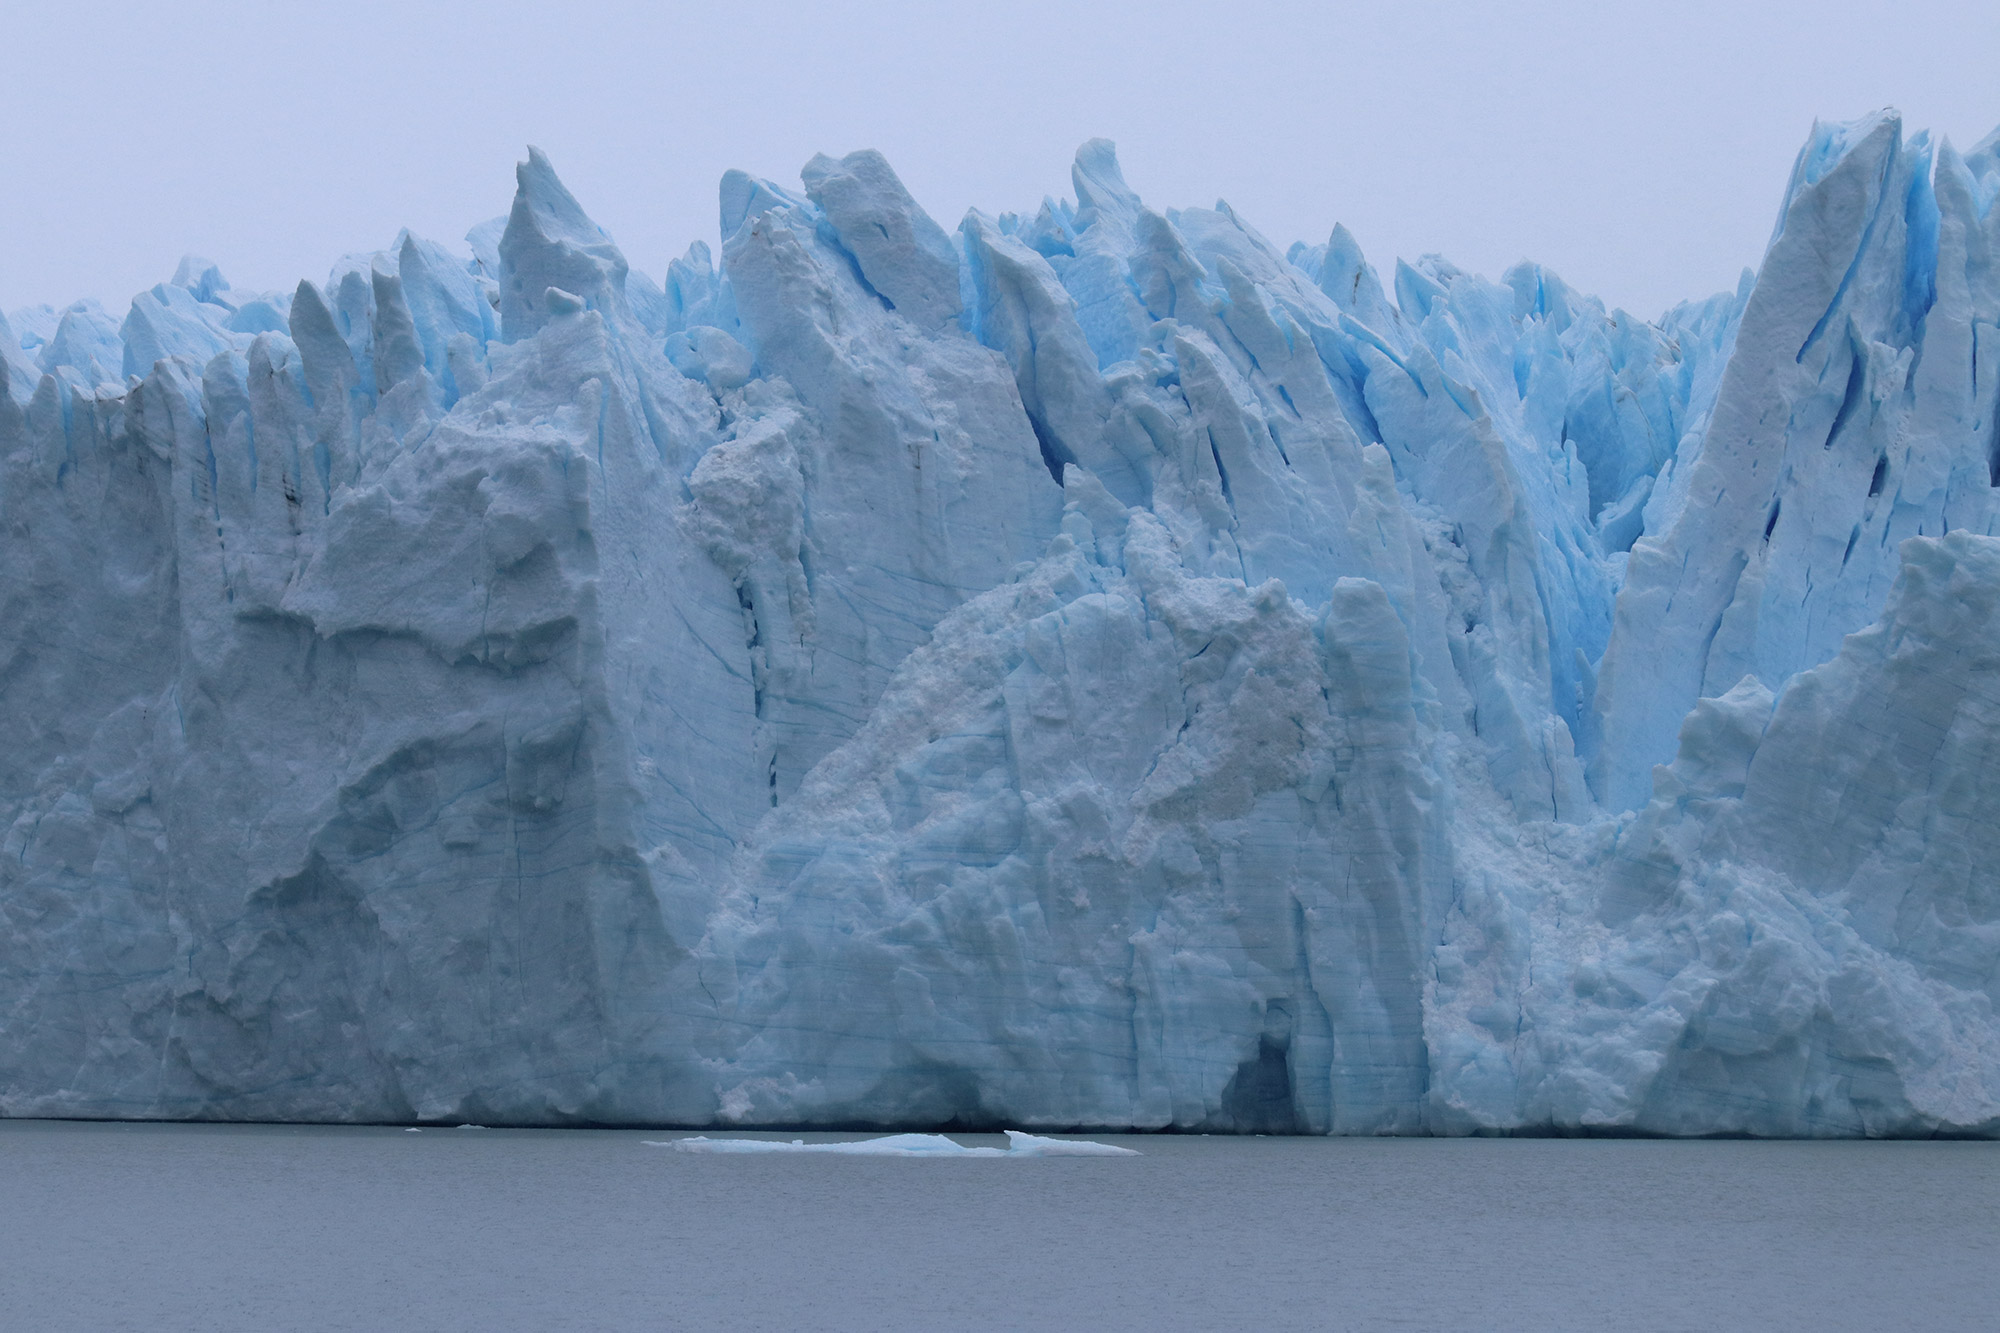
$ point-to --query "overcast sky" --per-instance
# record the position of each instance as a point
(1639, 149)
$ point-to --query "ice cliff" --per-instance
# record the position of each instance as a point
(1088, 669)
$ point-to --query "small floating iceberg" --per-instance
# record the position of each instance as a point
(1034, 1145)
(902, 1145)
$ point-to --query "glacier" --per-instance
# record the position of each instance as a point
(1090, 669)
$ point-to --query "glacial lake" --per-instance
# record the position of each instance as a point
(165, 1227)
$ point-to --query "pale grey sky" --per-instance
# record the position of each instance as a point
(1639, 149)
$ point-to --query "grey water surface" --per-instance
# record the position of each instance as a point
(163, 1227)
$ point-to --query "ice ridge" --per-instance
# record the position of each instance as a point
(1090, 669)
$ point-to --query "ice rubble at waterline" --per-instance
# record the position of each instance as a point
(1088, 669)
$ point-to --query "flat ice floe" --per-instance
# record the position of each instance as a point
(902, 1145)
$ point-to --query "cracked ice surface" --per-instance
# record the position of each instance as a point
(1088, 669)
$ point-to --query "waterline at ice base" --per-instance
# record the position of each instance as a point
(1090, 669)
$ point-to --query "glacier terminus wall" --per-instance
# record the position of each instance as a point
(1088, 669)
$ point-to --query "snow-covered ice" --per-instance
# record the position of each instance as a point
(1088, 668)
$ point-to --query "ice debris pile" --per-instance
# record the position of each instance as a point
(1088, 669)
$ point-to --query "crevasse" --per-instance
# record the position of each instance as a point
(1091, 669)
